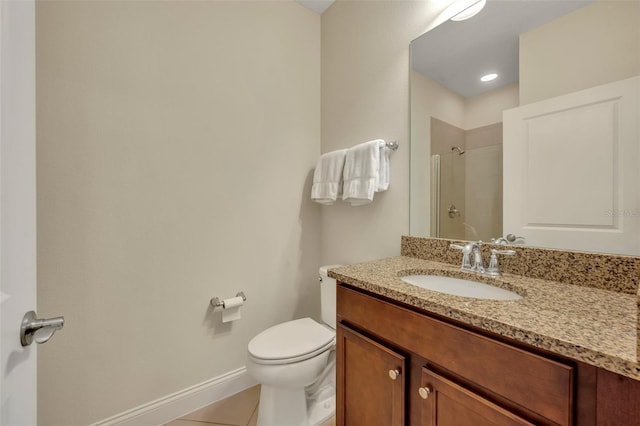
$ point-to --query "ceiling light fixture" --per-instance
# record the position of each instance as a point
(470, 11)
(489, 77)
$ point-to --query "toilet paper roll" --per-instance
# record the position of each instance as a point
(231, 311)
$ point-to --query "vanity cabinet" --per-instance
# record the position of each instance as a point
(447, 374)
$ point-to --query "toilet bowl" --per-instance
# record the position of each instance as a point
(295, 363)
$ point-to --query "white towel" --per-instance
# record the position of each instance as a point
(327, 177)
(384, 172)
(366, 171)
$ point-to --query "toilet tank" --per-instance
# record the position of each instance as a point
(328, 296)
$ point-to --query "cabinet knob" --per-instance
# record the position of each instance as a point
(394, 374)
(424, 392)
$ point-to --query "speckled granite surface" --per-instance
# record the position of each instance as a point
(596, 326)
(608, 272)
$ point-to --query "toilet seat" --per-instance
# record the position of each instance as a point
(292, 341)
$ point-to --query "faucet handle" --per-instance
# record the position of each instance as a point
(503, 252)
(466, 255)
(508, 239)
(494, 267)
(512, 238)
(476, 250)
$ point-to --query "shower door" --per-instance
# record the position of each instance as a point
(466, 194)
(448, 196)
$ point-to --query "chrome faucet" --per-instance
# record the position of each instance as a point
(472, 258)
(478, 263)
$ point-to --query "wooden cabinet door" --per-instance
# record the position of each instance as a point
(449, 404)
(618, 400)
(370, 382)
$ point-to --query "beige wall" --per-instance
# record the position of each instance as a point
(602, 47)
(176, 141)
(486, 108)
(365, 95)
(428, 99)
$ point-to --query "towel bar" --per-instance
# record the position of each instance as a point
(392, 145)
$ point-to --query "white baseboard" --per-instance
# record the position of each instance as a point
(170, 407)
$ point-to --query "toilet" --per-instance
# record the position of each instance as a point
(295, 364)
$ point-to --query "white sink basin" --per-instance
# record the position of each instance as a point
(460, 287)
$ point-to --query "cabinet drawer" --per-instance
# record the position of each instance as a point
(538, 384)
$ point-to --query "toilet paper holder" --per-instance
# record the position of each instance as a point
(217, 302)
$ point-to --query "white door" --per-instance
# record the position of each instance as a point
(17, 209)
(572, 170)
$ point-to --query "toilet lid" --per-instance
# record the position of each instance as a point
(297, 339)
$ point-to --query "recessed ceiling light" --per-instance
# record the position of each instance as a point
(470, 11)
(489, 77)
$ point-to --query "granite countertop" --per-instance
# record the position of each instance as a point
(595, 326)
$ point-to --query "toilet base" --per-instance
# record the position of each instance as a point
(322, 409)
(290, 407)
(282, 407)
(311, 405)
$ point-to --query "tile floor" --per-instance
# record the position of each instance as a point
(240, 409)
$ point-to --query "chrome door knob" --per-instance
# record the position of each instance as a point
(424, 392)
(38, 329)
(394, 374)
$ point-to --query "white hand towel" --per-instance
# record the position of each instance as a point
(327, 177)
(384, 172)
(361, 173)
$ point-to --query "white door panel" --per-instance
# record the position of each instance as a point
(571, 170)
(17, 210)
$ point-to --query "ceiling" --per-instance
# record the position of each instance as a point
(318, 6)
(457, 54)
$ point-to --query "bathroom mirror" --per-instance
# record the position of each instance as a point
(458, 134)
